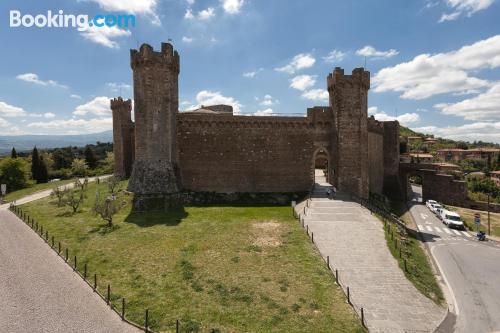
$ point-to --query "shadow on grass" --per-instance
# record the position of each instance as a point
(171, 217)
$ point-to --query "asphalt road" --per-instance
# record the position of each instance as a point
(470, 268)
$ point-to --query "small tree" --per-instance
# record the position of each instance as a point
(79, 167)
(107, 208)
(60, 193)
(74, 199)
(13, 173)
(113, 183)
(35, 164)
(90, 158)
(109, 162)
(13, 153)
(43, 173)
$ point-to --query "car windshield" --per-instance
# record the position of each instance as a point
(453, 218)
(437, 206)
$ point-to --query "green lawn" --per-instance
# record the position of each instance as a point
(216, 269)
(32, 188)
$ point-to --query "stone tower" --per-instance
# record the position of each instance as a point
(123, 136)
(349, 102)
(156, 100)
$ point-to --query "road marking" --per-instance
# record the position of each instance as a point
(456, 232)
(438, 230)
(457, 311)
(423, 216)
(466, 233)
(429, 228)
(420, 227)
(447, 230)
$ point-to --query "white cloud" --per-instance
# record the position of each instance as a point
(449, 17)
(190, 2)
(370, 52)
(252, 74)
(208, 98)
(4, 123)
(485, 106)
(75, 96)
(105, 35)
(266, 112)
(303, 82)
(404, 119)
(187, 40)
(485, 131)
(334, 56)
(49, 115)
(232, 6)
(33, 78)
(118, 86)
(189, 14)
(99, 106)
(10, 111)
(300, 61)
(427, 75)
(467, 7)
(319, 95)
(206, 14)
(72, 126)
(267, 100)
(147, 7)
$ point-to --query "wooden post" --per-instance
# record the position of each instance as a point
(123, 308)
(348, 296)
(363, 317)
(328, 261)
(146, 321)
(95, 282)
(312, 236)
(177, 326)
(59, 248)
(52, 242)
(75, 264)
(109, 295)
(337, 276)
(85, 272)
(67, 254)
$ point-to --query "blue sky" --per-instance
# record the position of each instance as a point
(434, 63)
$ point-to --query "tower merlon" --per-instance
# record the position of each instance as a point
(147, 55)
(119, 102)
(358, 76)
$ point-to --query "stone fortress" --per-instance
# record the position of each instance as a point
(211, 150)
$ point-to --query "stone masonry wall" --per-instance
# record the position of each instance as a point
(376, 161)
(123, 136)
(228, 154)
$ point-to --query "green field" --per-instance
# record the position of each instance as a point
(216, 269)
(33, 188)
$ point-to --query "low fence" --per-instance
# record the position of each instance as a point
(91, 281)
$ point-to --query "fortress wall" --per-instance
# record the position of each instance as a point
(229, 154)
(376, 161)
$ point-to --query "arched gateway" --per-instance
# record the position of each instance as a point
(211, 150)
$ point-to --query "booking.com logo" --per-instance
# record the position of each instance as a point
(61, 20)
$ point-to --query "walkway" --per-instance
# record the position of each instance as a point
(354, 240)
(39, 292)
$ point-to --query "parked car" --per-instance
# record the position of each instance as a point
(428, 203)
(438, 212)
(435, 207)
(452, 219)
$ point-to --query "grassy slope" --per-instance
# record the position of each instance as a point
(211, 267)
(33, 188)
(419, 270)
(468, 217)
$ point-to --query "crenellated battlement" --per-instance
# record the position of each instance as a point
(375, 126)
(146, 56)
(118, 103)
(359, 76)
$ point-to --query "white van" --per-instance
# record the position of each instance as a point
(452, 219)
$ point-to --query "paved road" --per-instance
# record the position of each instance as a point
(355, 242)
(470, 268)
(40, 293)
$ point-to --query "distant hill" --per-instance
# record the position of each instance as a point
(27, 142)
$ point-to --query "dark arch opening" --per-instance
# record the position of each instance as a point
(415, 184)
(321, 166)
